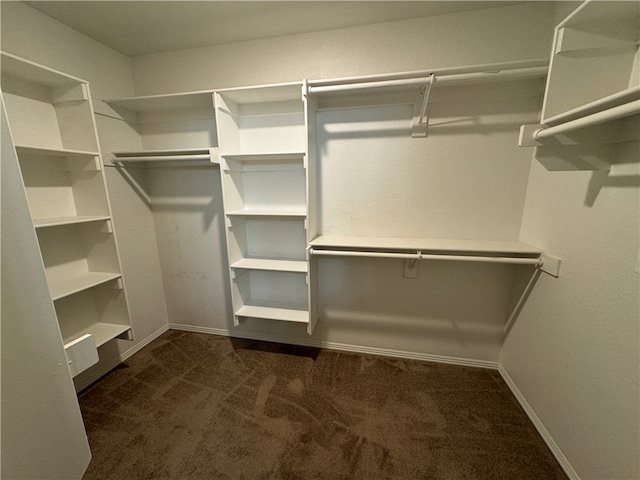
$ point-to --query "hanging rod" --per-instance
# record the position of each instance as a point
(537, 262)
(614, 113)
(422, 74)
(450, 79)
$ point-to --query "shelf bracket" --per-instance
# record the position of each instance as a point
(420, 121)
(550, 264)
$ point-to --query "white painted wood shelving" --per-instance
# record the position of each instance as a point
(267, 167)
(592, 97)
(53, 131)
(176, 130)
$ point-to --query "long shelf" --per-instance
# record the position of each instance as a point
(54, 152)
(165, 102)
(283, 312)
(101, 332)
(63, 287)
(33, 72)
(70, 220)
(299, 266)
(428, 246)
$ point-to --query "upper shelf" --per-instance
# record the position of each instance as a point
(163, 103)
(592, 96)
(595, 61)
(35, 73)
(428, 245)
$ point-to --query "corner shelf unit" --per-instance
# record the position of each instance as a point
(53, 131)
(266, 168)
(592, 96)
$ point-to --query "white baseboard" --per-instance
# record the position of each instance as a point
(108, 366)
(544, 433)
(385, 352)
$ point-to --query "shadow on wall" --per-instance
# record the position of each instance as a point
(455, 309)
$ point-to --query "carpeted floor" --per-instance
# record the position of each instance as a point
(195, 406)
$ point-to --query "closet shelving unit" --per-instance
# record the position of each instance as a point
(176, 130)
(53, 131)
(420, 89)
(592, 97)
(267, 167)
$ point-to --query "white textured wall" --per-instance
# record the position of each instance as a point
(37, 37)
(493, 35)
(574, 350)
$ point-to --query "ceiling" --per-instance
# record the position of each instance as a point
(143, 27)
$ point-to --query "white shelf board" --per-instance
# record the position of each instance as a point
(167, 102)
(265, 93)
(57, 221)
(101, 332)
(282, 312)
(54, 152)
(267, 213)
(33, 72)
(428, 245)
(271, 264)
(264, 157)
(63, 287)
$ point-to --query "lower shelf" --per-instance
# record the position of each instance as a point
(273, 311)
(63, 287)
(102, 332)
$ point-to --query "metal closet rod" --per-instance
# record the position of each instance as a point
(537, 262)
(418, 77)
(597, 118)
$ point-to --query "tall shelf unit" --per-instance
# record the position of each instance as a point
(268, 163)
(53, 131)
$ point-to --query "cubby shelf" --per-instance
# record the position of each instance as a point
(299, 266)
(69, 220)
(63, 287)
(101, 332)
(267, 213)
(283, 312)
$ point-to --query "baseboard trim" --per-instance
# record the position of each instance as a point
(544, 433)
(344, 347)
(108, 366)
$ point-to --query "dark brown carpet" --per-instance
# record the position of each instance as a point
(195, 406)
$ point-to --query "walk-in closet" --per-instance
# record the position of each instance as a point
(447, 189)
